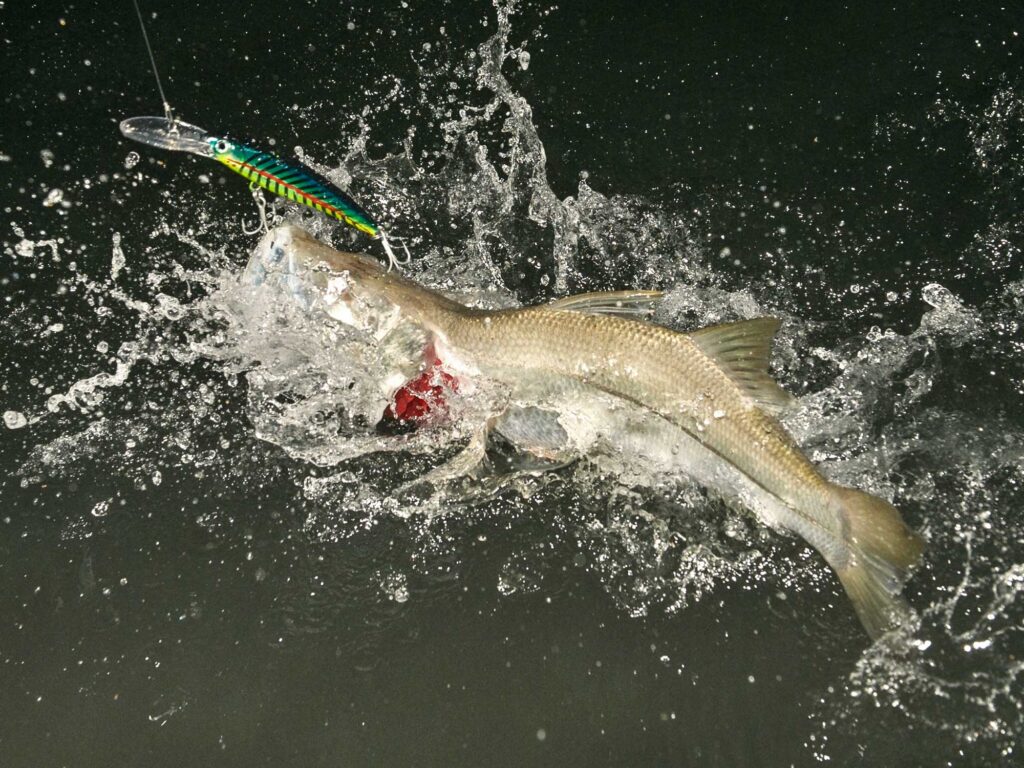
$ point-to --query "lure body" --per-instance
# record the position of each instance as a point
(292, 181)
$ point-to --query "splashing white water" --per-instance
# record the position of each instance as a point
(880, 409)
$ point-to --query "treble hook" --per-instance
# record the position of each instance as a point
(261, 206)
(393, 261)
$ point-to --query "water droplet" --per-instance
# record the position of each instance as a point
(117, 259)
(396, 587)
(55, 196)
(15, 419)
(938, 296)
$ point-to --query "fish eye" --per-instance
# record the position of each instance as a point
(221, 145)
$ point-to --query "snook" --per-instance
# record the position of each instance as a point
(712, 384)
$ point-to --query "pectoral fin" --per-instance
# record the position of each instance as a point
(465, 462)
(743, 350)
(532, 429)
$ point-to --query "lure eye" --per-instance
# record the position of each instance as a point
(221, 146)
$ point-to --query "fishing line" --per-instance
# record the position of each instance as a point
(152, 60)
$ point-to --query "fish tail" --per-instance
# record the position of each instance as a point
(881, 550)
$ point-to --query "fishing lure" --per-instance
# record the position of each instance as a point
(289, 179)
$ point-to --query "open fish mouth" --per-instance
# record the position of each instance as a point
(275, 264)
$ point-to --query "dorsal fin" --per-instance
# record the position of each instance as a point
(743, 349)
(622, 303)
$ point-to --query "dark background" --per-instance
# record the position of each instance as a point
(202, 623)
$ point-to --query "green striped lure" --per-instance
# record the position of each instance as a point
(293, 182)
(290, 180)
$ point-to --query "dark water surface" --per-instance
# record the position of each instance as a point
(203, 563)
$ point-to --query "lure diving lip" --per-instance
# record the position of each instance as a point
(175, 135)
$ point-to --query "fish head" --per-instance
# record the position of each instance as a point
(350, 288)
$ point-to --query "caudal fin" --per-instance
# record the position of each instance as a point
(882, 549)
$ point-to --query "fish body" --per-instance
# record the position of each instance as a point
(711, 385)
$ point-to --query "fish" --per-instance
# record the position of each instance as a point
(707, 391)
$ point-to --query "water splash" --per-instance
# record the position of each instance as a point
(202, 356)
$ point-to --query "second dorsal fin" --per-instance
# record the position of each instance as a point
(622, 303)
(743, 350)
